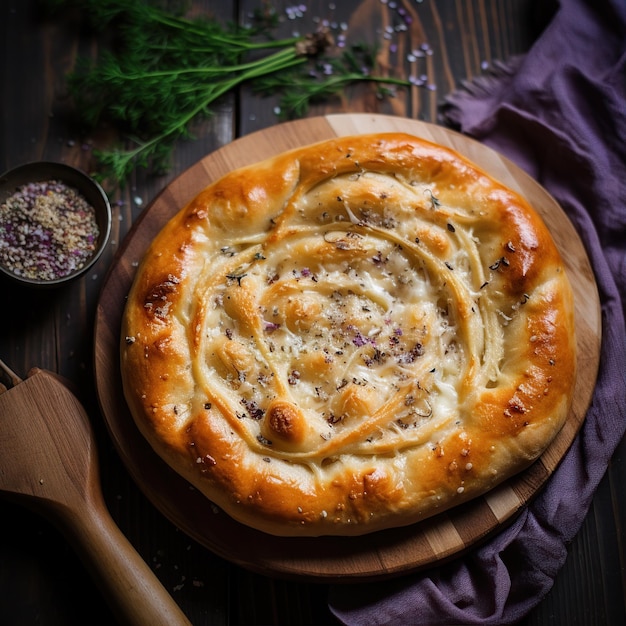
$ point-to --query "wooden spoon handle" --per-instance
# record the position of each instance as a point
(134, 593)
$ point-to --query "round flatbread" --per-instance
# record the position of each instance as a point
(350, 336)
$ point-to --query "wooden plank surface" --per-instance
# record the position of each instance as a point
(41, 578)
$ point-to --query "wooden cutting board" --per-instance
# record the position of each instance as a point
(381, 554)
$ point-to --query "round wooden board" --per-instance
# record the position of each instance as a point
(381, 554)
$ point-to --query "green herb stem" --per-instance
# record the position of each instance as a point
(336, 83)
(223, 38)
(274, 61)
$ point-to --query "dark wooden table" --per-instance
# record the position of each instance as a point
(41, 579)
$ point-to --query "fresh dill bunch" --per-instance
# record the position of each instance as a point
(161, 71)
(173, 110)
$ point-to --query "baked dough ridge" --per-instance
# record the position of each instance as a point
(351, 336)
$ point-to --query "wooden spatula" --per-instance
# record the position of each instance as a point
(48, 461)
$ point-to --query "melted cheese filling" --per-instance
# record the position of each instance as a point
(362, 319)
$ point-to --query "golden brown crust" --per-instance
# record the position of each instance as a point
(351, 336)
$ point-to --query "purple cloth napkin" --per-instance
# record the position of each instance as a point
(559, 112)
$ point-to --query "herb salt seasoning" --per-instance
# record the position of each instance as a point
(47, 231)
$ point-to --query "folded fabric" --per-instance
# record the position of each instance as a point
(559, 112)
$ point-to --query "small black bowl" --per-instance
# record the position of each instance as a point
(87, 187)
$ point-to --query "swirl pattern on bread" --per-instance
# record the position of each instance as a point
(350, 336)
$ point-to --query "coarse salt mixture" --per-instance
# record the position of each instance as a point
(47, 231)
